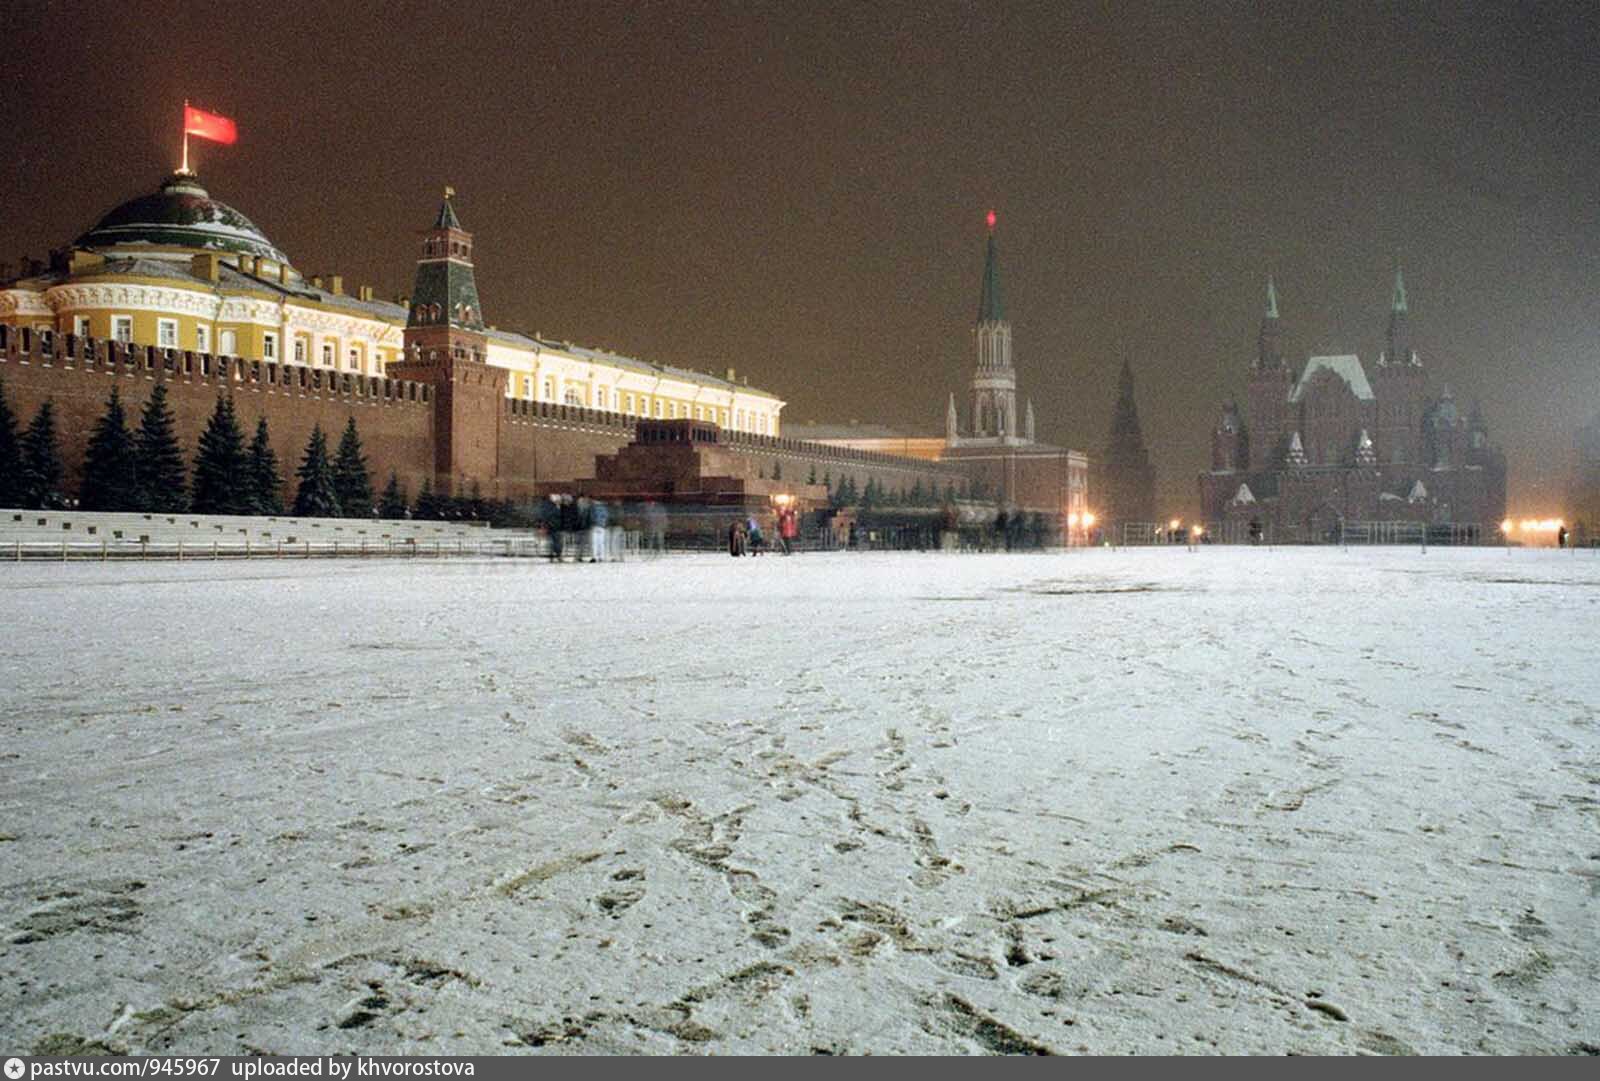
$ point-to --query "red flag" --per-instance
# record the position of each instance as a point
(219, 129)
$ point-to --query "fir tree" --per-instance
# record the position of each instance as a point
(160, 461)
(393, 502)
(812, 477)
(777, 470)
(10, 455)
(221, 479)
(41, 462)
(427, 508)
(918, 497)
(350, 478)
(265, 483)
(110, 480)
(317, 497)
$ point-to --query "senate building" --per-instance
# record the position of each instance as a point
(181, 270)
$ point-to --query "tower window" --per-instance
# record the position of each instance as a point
(202, 339)
(327, 354)
(269, 347)
(122, 328)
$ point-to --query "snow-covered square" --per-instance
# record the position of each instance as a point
(1235, 800)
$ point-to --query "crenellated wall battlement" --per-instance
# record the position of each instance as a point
(24, 345)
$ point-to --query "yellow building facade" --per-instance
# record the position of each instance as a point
(179, 270)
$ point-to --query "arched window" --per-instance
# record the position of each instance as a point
(434, 311)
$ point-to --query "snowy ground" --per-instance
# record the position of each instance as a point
(1236, 800)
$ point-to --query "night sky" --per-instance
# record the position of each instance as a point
(797, 190)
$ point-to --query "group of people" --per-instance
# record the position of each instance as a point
(746, 537)
(580, 528)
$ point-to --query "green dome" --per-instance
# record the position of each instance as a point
(181, 214)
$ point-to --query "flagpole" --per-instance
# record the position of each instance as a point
(184, 169)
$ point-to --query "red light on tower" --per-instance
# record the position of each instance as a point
(991, 219)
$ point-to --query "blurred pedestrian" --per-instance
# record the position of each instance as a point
(788, 529)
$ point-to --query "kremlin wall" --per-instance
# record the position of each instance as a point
(180, 288)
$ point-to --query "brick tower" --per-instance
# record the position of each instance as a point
(1268, 392)
(445, 345)
(994, 383)
(1399, 383)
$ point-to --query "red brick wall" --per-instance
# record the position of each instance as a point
(396, 434)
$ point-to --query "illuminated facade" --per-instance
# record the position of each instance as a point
(1328, 444)
(177, 269)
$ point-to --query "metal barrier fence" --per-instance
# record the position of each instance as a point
(522, 546)
(1343, 533)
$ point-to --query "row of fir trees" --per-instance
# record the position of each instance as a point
(142, 468)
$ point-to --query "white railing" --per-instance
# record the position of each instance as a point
(191, 550)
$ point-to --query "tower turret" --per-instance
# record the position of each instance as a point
(445, 345)
(1269, 339)
(1268, 393)
(994, 382)
(1399, 388)
(1397, 341)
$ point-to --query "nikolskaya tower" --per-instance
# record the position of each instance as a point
(993, 417)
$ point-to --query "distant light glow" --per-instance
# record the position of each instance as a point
(1088, 519)
(991, 219)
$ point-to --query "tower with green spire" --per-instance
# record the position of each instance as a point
(1268, 393)
(446, 345)
(1398, 339)
(994, 382)
(1400, 385)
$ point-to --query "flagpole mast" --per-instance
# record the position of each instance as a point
(184, 169)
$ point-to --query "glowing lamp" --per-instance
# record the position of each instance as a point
(1507, 526)
(1072, 519)
(1088, 519)
(991, 219)
(1174, 524)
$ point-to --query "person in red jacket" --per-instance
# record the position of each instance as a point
(788, 529)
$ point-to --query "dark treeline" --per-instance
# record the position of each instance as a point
(138, 465)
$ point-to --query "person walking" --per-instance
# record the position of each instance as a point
(599, 519)
(788, 529)
(550, 526)
(753, 529)
(655, 523)
(736, 538)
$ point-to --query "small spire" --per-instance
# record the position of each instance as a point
(1399, 291)
(447, 214)
(1272, 298)
(950, 422)
(991, 306)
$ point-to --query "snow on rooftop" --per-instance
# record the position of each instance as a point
(1347, 368)
(1236, 800)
